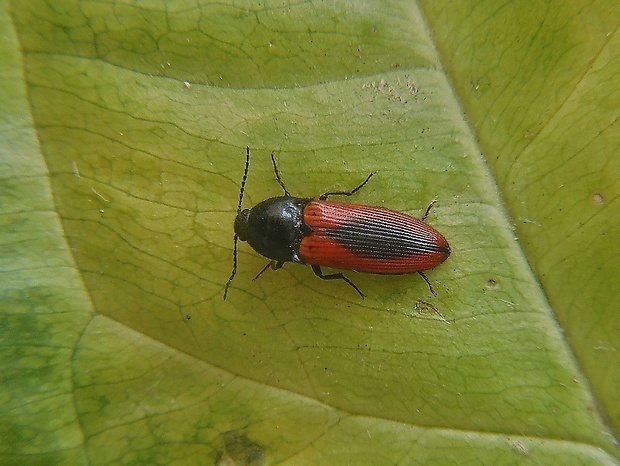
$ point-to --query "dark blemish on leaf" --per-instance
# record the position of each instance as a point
(493, 284)
(239, 449)
(103, 402)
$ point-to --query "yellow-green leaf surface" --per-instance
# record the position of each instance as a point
(122, 145)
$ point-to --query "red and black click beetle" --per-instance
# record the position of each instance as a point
(346, 236)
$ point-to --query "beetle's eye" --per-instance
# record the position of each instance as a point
(241, 224)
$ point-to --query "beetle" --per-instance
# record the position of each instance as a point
(339, 235)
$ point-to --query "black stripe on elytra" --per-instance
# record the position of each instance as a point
(369, 238)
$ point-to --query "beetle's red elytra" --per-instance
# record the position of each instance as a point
(369, 239)
(339, 235)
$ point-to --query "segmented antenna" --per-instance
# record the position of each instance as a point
(245, 177)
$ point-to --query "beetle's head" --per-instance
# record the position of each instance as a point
(241, 224)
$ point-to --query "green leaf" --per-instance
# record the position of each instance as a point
(122, 148)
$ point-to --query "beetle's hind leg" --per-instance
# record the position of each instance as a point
(428, 282)
(335, 276)
(428, 210)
